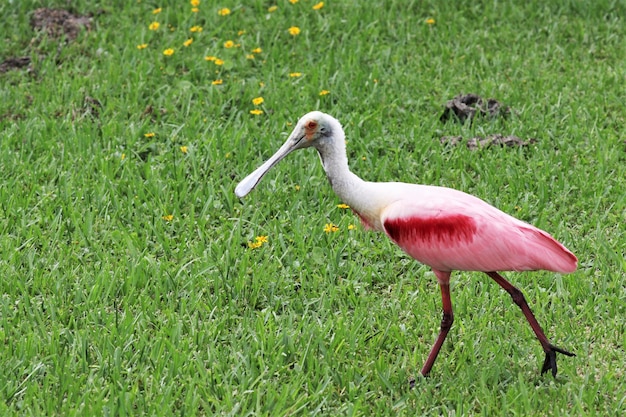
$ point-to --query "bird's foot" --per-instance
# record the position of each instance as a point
(550, 361)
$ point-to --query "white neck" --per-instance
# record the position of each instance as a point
(335, 162)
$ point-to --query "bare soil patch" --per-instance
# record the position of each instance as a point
(59, 23)
(15, 63)
(490, 140)
(468, 106)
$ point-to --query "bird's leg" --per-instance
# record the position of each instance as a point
(518, 298)
(446, 321)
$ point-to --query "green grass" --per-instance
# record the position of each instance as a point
(108, 308)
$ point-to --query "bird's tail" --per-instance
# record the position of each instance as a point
(551, 254)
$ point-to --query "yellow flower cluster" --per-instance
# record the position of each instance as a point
(257, 101)
(258, 242)
(223, 65)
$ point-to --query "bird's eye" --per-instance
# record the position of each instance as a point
(312, 124)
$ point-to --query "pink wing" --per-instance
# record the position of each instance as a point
(457, 231)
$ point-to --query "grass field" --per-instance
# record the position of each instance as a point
(134, 282)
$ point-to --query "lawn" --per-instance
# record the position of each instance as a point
(135, 282)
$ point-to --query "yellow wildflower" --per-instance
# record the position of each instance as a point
(256, 112)
(123, 156)
(168, 217)
(324, 92)
(157, 11)
(154, 26)
(329, 227)
(297, 187)
(258, 100)
(224, 12)
(293, 1)
(196, 29)
(218, 61)
(261, 84)
(184, 149)
(430, 21)
(149, 134)
(210, 58)
(229, 44)
(351, 227)
(142, 46)
(318, 5)
(168, 52)
(217, 82)
(294, 30)
(257, 51)
(188, 42)
(249, 56)
(343, 206)
(272, 9)
(295, 74)
(195, 9)
(258, 242)
(195, 3)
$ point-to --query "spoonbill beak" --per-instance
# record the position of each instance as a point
(295, 141)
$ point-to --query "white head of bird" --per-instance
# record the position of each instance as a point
(316, 129)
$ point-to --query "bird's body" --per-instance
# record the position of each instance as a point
(443, 228)
(450, 230)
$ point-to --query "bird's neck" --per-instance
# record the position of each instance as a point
(335, 163)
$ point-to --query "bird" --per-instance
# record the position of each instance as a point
(443, 228)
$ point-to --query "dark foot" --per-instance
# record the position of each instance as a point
(550, 361)
(413, 380)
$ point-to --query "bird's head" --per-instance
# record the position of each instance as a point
(315, 129)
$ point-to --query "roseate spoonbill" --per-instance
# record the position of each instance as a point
(443, 228)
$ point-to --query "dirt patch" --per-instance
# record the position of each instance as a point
(59, 23)
(490, 140)
(14, 63)
(469, 106)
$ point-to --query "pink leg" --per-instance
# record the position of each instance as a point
(446, 321)
(518, 298)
